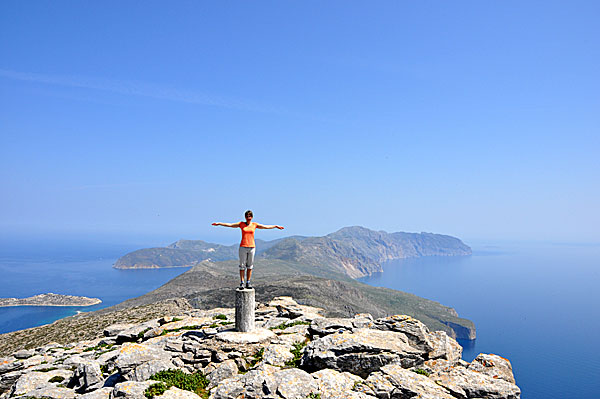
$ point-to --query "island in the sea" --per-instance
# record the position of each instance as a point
(50, 299)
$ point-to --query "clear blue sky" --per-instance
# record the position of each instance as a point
(478, 119)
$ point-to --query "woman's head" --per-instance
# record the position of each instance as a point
(248, 215)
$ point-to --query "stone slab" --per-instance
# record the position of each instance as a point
(252, 337)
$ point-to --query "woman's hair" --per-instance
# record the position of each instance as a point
(248, 213)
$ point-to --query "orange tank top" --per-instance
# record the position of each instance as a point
(247, 234)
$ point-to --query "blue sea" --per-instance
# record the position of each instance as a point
(536, 304)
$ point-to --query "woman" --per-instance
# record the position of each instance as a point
(247, 246)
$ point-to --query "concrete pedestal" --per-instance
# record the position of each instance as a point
(244, 309)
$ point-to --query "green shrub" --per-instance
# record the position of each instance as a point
(422, 372)
(220, 317)
(155, 390)
(195, 382)
(57, 378)
(297, 352)
(313, 395)
(286, 325)
(258, 356)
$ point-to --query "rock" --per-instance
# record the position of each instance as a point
(323, 326)
(253, 337)
(273, 322)
(416, 332)
(301, 329)
(461, 382)
(444, 347)
(52, 392)
(363, 320)
(332, 384)
(176, 393)
(277, 355)
(102, 393)
(135, 332)
(224, 370)
(74, 361)
(392, 381)
(131, 389)
(132, 355)
(289, 339)
(87, 377)
(9, 364)
(115, 329)
(254, 384)
(361, 352)
(146, 370)
(34, 380)
(108, 357)
(24, 353)
(295, 383)
(8, 379)
(493, 365)
(174, 346)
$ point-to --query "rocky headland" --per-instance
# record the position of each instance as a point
(179, 353)
(50, 299)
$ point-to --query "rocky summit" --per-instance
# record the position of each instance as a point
(184, 356)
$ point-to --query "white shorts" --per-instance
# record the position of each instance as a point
(247, 258)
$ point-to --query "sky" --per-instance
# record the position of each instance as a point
(477, 119)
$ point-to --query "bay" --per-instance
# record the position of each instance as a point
(533, 303)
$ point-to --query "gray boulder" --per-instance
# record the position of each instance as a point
(464, 383)
(176, 393)
(52, 392)
(24, 353)
(102, 393)
(294, 384)
(31, 381)
(444, 347)
(9, 364)
(115, 329)
(146, 370)
(332, 384)
(395, 382)
(87, 377)
(277, 355)
(323, 326)
(222, 371)
(131, 389)
(416, 332)
(361, 352)
(493, 365)
(132, 355)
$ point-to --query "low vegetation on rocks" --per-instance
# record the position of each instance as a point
(183, 356)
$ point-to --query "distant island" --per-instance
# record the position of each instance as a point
(50, 299)
(353, 251)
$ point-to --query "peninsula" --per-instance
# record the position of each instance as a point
(50, 299)
(353, 251)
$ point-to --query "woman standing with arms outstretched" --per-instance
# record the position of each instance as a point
(247, 246)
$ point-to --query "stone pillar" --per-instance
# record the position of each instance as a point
(244, 309)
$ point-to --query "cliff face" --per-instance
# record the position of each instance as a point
(305, 355)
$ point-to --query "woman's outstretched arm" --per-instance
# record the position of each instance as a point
(267, 226)
(227, 224)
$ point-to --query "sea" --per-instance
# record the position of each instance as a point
(537, 304)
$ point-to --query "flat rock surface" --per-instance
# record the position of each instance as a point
(252, 337)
